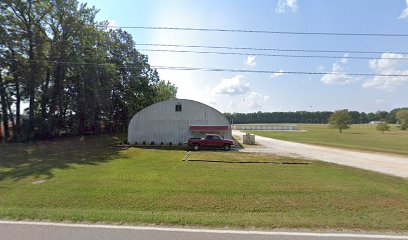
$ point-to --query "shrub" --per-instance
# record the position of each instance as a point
(383, 127)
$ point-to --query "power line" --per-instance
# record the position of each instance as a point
(266, 31)
(274, 55)
(177, 68)
(71, 62)
(267, 49)
(225, 53)
(280, 72)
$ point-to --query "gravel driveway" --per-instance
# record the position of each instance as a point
(380, 162)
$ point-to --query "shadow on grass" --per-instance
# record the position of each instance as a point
(245, 162)
(38, 159)
(159, 147)
(237, 143)
(180, 148)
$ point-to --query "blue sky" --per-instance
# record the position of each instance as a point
(250, 92)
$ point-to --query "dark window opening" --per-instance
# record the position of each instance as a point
(178, 108)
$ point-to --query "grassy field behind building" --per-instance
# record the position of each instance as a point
(359, 136)
(89, 180)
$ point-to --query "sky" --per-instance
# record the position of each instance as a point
(279, 91)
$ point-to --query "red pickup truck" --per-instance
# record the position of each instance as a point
(210, 141)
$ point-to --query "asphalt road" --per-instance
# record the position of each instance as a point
(391, 164)
(15, 230)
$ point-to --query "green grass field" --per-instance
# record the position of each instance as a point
(89, 180)
(363, 137)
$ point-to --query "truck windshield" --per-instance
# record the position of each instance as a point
(212, 137)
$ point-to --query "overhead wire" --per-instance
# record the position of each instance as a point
(264, 31)
(273, 71)
(182, 68)
(275, 55)
(254, 53)
(268, 49)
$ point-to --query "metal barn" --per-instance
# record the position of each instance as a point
(175, 121)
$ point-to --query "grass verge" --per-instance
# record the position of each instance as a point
(88, 180)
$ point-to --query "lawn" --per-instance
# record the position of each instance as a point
(359, 136)
(89, 180)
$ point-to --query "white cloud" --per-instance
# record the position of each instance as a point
(255, 100)
(344, 60)
(112, 24)
(284, 5)
(387, 66)
(277, 74)
(240, 95)
(251, 61)
(232, 86)
(340, 76)
(404, 13)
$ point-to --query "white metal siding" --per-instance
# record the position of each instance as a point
(161, 123)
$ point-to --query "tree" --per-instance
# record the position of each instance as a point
(76, 75)
(402, 116)
(165, 90)
(381, 116)
(383, 127)
(3, 104)
(27, 18)
(355, 116)
(340, 119)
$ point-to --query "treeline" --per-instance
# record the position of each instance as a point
(309, 117)
(74, 75)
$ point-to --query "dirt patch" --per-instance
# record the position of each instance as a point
(39, 182)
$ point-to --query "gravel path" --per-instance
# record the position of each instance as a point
(380, 162)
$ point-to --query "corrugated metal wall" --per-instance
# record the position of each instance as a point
(161, 123)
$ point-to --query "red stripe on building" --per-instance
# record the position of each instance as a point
(208, 128)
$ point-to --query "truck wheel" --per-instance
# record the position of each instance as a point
(227, 147)
(196, 147)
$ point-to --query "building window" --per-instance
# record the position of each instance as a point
(178, 108)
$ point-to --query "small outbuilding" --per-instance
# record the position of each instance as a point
(175, 121)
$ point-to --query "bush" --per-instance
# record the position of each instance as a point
(383, 127)
(402, 116)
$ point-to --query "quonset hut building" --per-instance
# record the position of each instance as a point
(175, 121)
